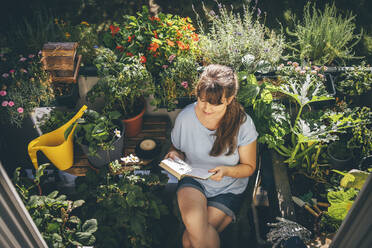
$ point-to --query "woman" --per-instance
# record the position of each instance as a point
(213, 133)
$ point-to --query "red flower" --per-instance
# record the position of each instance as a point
(114, 30)
(129, 54)
(195, 37)
(190, 27)
(120, 48)
(182, 45)
(154, 18)
(143, 59)
(129, 38)
(155, 34)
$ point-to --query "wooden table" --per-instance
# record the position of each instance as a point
(156, 127)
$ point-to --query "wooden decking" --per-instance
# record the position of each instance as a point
(156, 127)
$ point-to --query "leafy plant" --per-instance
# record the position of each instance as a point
(25, 85)
(97, 131)
(355, 80)
(122, 81)
(52, 215)
(238, 41)
(178, 80)
(361, 140)
(55, 119)
(127, 206)
(323, 37)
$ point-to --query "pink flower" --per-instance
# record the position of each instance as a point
(164, 66)
(39, 53)
(11, 71)
(2, 93)
(10, 103)
(5, 75)
(22, 59)
(185, 84)
(295, 64)
(23, 70)
(4, 103)
(289, 62)
(321, 75)
(297, 69)
(171, 58)
(313, 71)
(20, 110)
(30, 56)
(302, 72)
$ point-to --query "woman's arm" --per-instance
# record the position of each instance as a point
(174, 152)
(246, 167)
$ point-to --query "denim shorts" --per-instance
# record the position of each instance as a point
(228, 203)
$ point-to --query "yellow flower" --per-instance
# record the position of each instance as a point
(68, 35)
(85, 23)
(56, 20)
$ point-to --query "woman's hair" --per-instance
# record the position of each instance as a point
(215, 83)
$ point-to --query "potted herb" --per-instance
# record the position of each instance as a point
(123, 83)
(100, 137)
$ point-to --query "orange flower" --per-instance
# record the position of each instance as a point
(182, 45)
(179, 35)
(129, 54)
(114, 30)
(154, 18)
(170, 23)
(143, 59)
(170, 43)
(129, 38)
(153, 47)
(194, 37)
(190, 27)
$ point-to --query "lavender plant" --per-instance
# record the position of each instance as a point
(239, 41)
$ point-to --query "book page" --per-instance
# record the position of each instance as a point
(177, 165)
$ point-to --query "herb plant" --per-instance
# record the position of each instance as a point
(98, 131)
(323, 37)
(355, 80)
(238, 41)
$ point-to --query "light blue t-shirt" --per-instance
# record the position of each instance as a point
(196, 141)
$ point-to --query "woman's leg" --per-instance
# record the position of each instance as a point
(218, 219)
(193, 208)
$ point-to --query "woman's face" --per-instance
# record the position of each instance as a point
(212, 110)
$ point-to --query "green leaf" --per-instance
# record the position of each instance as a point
(339, 211)
(354, 179)
(52, 227)
(90, 226)
(77, 204)
(53, 194)
(85, 238)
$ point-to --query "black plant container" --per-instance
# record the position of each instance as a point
(105, 157)
(70, 100)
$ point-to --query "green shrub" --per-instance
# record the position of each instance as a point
(323, 37)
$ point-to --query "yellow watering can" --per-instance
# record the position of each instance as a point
(53, 144)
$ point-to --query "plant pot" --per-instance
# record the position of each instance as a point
(105, 157)
(133, 126)
(336, 161)
(69, 100)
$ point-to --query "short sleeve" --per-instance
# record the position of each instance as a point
(176, 134)
(247, 132)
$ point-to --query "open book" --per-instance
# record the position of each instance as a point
(179, 168)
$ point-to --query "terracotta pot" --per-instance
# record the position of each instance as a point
(133, 126)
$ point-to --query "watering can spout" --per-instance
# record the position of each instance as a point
(54, 145)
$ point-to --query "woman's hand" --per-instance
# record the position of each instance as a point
(173, 154)
(219, 172)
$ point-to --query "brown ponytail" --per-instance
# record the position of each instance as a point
(216, 82)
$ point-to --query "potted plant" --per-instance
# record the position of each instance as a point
(354, 85)
(100, 137)
(158, 41)
(123, 83)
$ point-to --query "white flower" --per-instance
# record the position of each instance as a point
(117, 133)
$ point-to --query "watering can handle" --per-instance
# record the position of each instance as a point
(77, 115)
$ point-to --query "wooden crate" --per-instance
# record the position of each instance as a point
(156, 127)
(59, 58)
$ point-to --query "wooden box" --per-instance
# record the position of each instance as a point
(60, 59)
